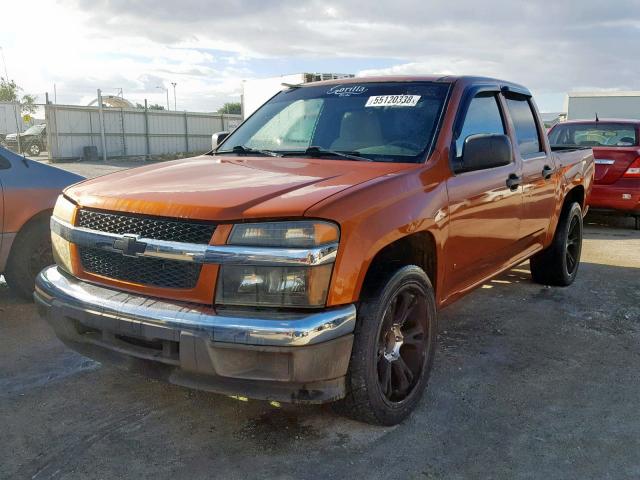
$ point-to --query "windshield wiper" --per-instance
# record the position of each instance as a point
(241, 149)
(319, 151)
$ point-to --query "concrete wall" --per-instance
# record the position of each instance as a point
(131, 132)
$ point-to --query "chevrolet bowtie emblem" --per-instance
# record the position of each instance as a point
(129, 245)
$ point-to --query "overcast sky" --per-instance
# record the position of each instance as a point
(209, 47)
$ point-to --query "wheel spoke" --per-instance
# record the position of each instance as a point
(414, 336)
(403, 375)
(390, 313)
(409, 302)
(384, 374)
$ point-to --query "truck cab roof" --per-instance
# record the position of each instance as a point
(453, 79)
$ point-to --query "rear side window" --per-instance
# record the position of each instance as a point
(4, 164)
(525, 125)
(483, 116)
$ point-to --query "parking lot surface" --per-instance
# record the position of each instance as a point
(529, 382)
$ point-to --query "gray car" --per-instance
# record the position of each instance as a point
(28, 192)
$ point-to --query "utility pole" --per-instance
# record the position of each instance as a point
(4, 62)
(167, 91)
(102, 128)
(175, 106)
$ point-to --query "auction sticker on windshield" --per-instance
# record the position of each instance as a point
(392, 101)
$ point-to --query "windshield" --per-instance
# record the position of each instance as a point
(392, 122)
(35, 130)
(596, 134)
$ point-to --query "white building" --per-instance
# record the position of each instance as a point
(585, 105)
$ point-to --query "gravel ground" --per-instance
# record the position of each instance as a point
(529, 382)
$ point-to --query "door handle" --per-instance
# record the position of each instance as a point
(547, 171)
(513, 182)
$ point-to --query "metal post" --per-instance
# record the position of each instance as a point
(124, 133)
(146, 127)
(52, 126)
(186, 132)
(175, 105)
(102, 133)
(18, 126)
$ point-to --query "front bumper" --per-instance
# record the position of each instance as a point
(284, 356)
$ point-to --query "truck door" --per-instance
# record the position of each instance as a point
(484, 205)
(539, 178)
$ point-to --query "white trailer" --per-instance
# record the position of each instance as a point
(620, 104)
(256, 92)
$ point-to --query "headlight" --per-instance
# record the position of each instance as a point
(291, 286)
(64, 210)
(284, 234)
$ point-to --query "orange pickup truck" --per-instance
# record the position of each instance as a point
(305, 258)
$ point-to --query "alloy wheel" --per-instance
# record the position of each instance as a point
(572, 249)
(402, 344)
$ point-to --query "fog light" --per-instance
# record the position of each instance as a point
(61, 252)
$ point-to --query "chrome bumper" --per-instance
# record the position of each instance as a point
(291, 357)
(281, 329)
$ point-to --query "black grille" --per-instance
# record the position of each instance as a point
(148, 227)
(155, 272)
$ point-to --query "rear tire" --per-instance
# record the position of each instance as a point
(393, 349)
(30, 253)
(33, 150)
(558, 263)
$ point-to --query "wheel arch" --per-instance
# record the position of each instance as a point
(42, 216)
(575, 194)
(414, 249)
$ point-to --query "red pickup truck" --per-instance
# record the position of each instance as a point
(304, 259)
(616, 149)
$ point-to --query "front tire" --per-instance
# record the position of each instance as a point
(393, 349)
(30, 253)
(558, 263)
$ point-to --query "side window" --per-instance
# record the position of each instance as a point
(483, 116)
(4, 164)
(525, 125)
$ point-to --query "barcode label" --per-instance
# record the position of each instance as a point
(392, 101)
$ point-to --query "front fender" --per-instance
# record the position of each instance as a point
(375, 216)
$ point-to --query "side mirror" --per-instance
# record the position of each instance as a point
(217, 138)
(486, 151)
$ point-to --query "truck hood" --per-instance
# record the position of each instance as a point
(13, 136)
(227, 188)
